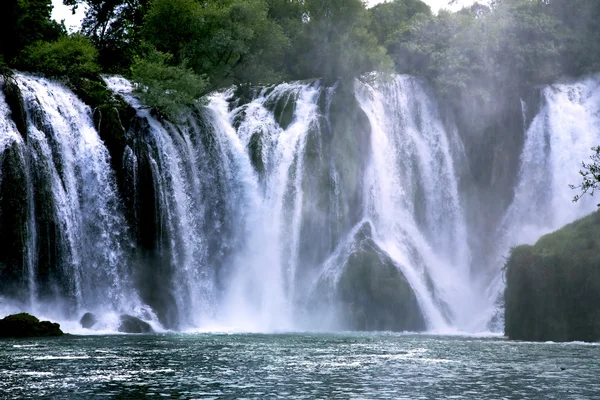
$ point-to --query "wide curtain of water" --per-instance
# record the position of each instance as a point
(297, 207)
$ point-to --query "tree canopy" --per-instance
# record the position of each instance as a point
(468, 55)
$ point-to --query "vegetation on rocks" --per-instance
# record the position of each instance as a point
(25, 325)
(553, 288)
(374, 293)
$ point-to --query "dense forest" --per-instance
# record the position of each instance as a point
(179, 50)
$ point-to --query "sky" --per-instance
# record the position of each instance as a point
(61, 12)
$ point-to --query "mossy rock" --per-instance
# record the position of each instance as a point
(284, 110)
(113, 116)
(255, 148)
(88, 320)
(373, 293)
(131, 324)
(553, 288)
(13, 221)
(14, 100)
(26, 325)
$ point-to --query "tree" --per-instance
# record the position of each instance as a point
(591, 176)
(229, 41)
(168, 88)
(71, 56)
(387, 18)
(24, 22)
(114, 27)
(336, 43)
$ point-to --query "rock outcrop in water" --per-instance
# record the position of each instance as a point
(25, 325)
(131, 324)
(553, 288)
(88, 320)
(374, 294)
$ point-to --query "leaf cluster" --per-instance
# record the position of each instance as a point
(169, 88)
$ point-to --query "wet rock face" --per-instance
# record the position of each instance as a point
(131, 324)
(14, 99)
(374, 294)
(88, 320)
(553, 288)
(25, 325)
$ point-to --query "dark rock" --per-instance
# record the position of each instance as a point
(131, 324)
(13, 221)
(25, 325)
(14, 99)
(88, 320)
(255, 148)
(373, 293)
(553, 288)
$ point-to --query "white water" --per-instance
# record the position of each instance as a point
(559, 138)
(91, 237)
(257, 277)
(263, 281)
(413, 200)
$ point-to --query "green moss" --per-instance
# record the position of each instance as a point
(25, 325)
(553, 288)
(14, 99)
(373, 292)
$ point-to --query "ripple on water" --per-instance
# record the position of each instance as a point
(297, 366)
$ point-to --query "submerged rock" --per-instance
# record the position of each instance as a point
(88, 320)
(373, 293)
(26, 325)
(131, 324)
(553, 288)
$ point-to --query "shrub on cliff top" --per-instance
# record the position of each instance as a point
(72, 56)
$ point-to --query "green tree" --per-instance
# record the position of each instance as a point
(389, 17)
(71, 56)
(336, 42)
(168, 88)
(114, 28)
(24, 22)
(229, 41)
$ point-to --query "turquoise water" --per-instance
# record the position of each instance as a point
(296, 366)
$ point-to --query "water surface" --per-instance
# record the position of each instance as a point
(296, 366)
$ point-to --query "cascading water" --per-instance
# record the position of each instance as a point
(261, 294)
(559, 138)
(76, 240)
(413, 199)
(306, 207)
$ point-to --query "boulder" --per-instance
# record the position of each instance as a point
(26, 325)
(88, 320)
(373, 293)
(553, 288)
(131, 324)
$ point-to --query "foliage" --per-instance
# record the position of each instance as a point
(590, 174)
(114, 28)
(169, 88)
(231, 41)
(553, 287)
(68, 56)
(481, 49)
(24, 22)
(388, 18)
(336, 43)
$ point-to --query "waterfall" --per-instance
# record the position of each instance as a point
(76, 240)
(558, 139)
(413, 199)
(297, 207)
